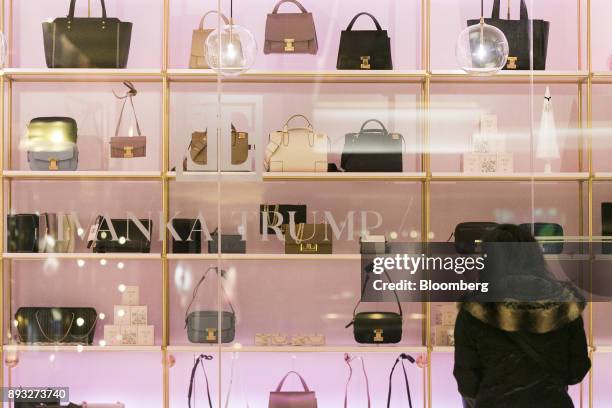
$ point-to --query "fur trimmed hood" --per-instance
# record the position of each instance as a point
(530, 304)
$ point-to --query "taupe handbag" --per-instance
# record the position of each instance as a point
(292, 399)
(198, 147)
(128, 147)
(298, 149)
(290, 33)
(240, 146)
(198, 43)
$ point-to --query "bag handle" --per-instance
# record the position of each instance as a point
(297, 3)
(348, 359)
(495, 15)
(374, 121)
(225, 20)
(365, 283)
(286, 125)
(401, 359)
(128, 96)
(363, 13)
(195, 291)
(199, 362)
(73, 3)
(280, 385)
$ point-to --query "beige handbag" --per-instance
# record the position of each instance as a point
(198, 42)
(128, 147)
(298, 149)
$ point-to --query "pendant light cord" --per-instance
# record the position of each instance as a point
(231, 10)
(481, 8)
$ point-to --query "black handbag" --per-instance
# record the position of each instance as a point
(518, 33)
(372, 150)
(400, 360)
(468, 236)
(203, 325)
(377, 327)
(23, 232)
(230, 243)
(606, 227)
(276, 213)
(189, 231)
(129, 237)
(87, 42)
(56, 324)
(547, 229)
(364, 49)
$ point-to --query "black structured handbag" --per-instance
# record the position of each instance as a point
(547, 230)
(128, 235)
(87, 42)
(518, 33)
(606, 227)
(468, 236)
(372, 150)
(23, 232)
(364, 49)
(56, 324)
(203, 325)
(400, 360)
(230, 243)
(377, 327)
(189, 231)
(280, 213)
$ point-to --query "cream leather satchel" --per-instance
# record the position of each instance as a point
(298, 149)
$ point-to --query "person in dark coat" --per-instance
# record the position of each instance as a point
(522, 344)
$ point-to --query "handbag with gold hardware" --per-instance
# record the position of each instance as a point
(127, 147)
(54, 242)
(377, 327)
(240, 146)
(364, 49)
(198, 42)
(298, 149)
(308, 239)
(290, 33)
(279, 215)
(203, 325)
(198, 147)
(51, 144)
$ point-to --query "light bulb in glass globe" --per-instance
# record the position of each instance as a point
(482, 49)
(231, 50)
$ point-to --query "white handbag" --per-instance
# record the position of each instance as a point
(297, 149)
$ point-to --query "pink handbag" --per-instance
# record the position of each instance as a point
(290, 33)
(292, 399)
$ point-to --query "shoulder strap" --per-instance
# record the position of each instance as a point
(73, 3)
(365, 283)
(495, 15)
(128, 95)
(348, 359)
(225, 20)
(199, 362)
(400, 359)
(195, 291)
(280, 384)
(350, 26)
(297, 3)
(528, 349)
(271, 148)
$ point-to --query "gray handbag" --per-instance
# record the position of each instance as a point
(63, 159)
(203, 325)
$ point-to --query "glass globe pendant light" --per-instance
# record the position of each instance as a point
(231, 49)
(482, 49)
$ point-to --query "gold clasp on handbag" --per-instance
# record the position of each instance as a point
(365, 62)
(309, 247)
(378, 335)
(289, 44)
(128, 151)
(211, 334)
(53, 164)
(512, 63)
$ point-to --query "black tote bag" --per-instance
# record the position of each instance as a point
(85, 42)
(518, 33)
(364, 49)
(372, 150)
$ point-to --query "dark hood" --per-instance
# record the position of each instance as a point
(528, 303)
